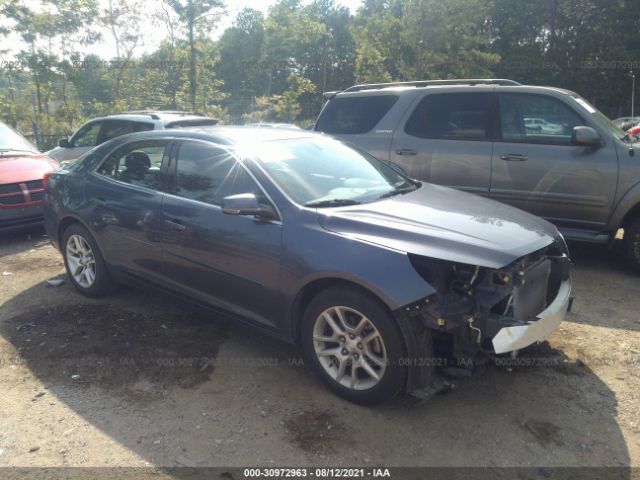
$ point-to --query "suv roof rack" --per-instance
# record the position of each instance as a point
(427, 83)
(155, 114)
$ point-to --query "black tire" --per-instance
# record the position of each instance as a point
(632, 242)
(393, 378)
(103, 282)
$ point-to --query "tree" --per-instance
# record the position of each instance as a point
(192, 14)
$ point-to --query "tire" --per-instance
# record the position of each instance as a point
(632, 242)
(84, 263)
(376, 346)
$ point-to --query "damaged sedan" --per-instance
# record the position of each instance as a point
(380, 279)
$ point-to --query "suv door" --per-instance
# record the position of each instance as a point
(447, 139)
(229, 261)
(537, 168)
(114, 128)
(82, 141)
(124, 196)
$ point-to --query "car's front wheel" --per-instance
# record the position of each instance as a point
(352, 341)
(632, 242)
(84, 263)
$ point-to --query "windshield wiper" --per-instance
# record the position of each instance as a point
(399, 191)
(334, 202)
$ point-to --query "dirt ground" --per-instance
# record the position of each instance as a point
(138, 379)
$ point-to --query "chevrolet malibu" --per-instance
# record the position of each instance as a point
(380, 279)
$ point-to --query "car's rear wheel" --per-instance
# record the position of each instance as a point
(353, 343)
(84, 263)
(632, 242)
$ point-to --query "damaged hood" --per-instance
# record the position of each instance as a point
(440, 222)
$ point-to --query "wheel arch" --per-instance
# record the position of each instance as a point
(313, 288)
(68, 221)
(627, 208)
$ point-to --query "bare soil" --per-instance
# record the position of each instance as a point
(139, 379)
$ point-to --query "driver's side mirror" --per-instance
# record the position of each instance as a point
(63, 142)
(247, 204)
(585, 136)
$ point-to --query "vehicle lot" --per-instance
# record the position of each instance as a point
(164, 383)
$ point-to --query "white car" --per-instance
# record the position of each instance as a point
(542, 126)
(101, 129)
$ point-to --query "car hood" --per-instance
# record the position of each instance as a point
(443, 223)
(14, 169)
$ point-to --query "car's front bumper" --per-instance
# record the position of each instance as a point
(512, 338)
(21, 217)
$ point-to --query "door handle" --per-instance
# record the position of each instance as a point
(175, 226)
(513, 157)
(101, 202)
(406, 151)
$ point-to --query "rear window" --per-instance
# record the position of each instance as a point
(353, 115)
(452, 116)
(204, 122)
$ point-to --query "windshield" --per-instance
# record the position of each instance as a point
(11, 141)
(320, 172)
(601, 118)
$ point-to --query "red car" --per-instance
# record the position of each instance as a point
(22, 169)
(635, 131)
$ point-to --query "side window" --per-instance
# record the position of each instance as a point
(87, 136)
(530, 118)
(141, 126)
(136, 164)
(354, 115)
(115, 128)
(208, 174)
(451, 116)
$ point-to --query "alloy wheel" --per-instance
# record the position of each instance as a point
(81, 261)
(349, 347)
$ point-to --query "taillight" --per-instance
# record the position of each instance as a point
(45, 178)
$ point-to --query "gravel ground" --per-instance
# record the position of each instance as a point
(138, 379)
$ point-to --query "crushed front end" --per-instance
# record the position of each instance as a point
(482, 310)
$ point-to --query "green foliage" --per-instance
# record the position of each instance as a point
(274, 67)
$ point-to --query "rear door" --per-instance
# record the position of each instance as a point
(125, 199)
(447, 139)
(537, 168)
(365, 120)
(229, 261)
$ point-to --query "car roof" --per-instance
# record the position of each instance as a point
(239, 134)
(225, 135)
(153, 115)
(501, 85)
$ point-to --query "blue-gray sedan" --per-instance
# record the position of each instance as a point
(380, 279)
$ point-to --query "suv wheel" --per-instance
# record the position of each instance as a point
(355, 346)
(632, 242)
(84, 263)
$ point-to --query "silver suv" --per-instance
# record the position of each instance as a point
(99, 130)
(542, 149)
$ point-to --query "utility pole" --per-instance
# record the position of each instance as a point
(633, 92)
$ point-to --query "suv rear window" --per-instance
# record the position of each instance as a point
(204, 122)
(451, 116)
(354, 115)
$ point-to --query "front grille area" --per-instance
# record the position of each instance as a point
(34, 185)
(9, 188)
(12, 200)
(13, 194)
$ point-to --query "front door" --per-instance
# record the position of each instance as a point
(536, 167)
(229, 261)
(447, 139)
